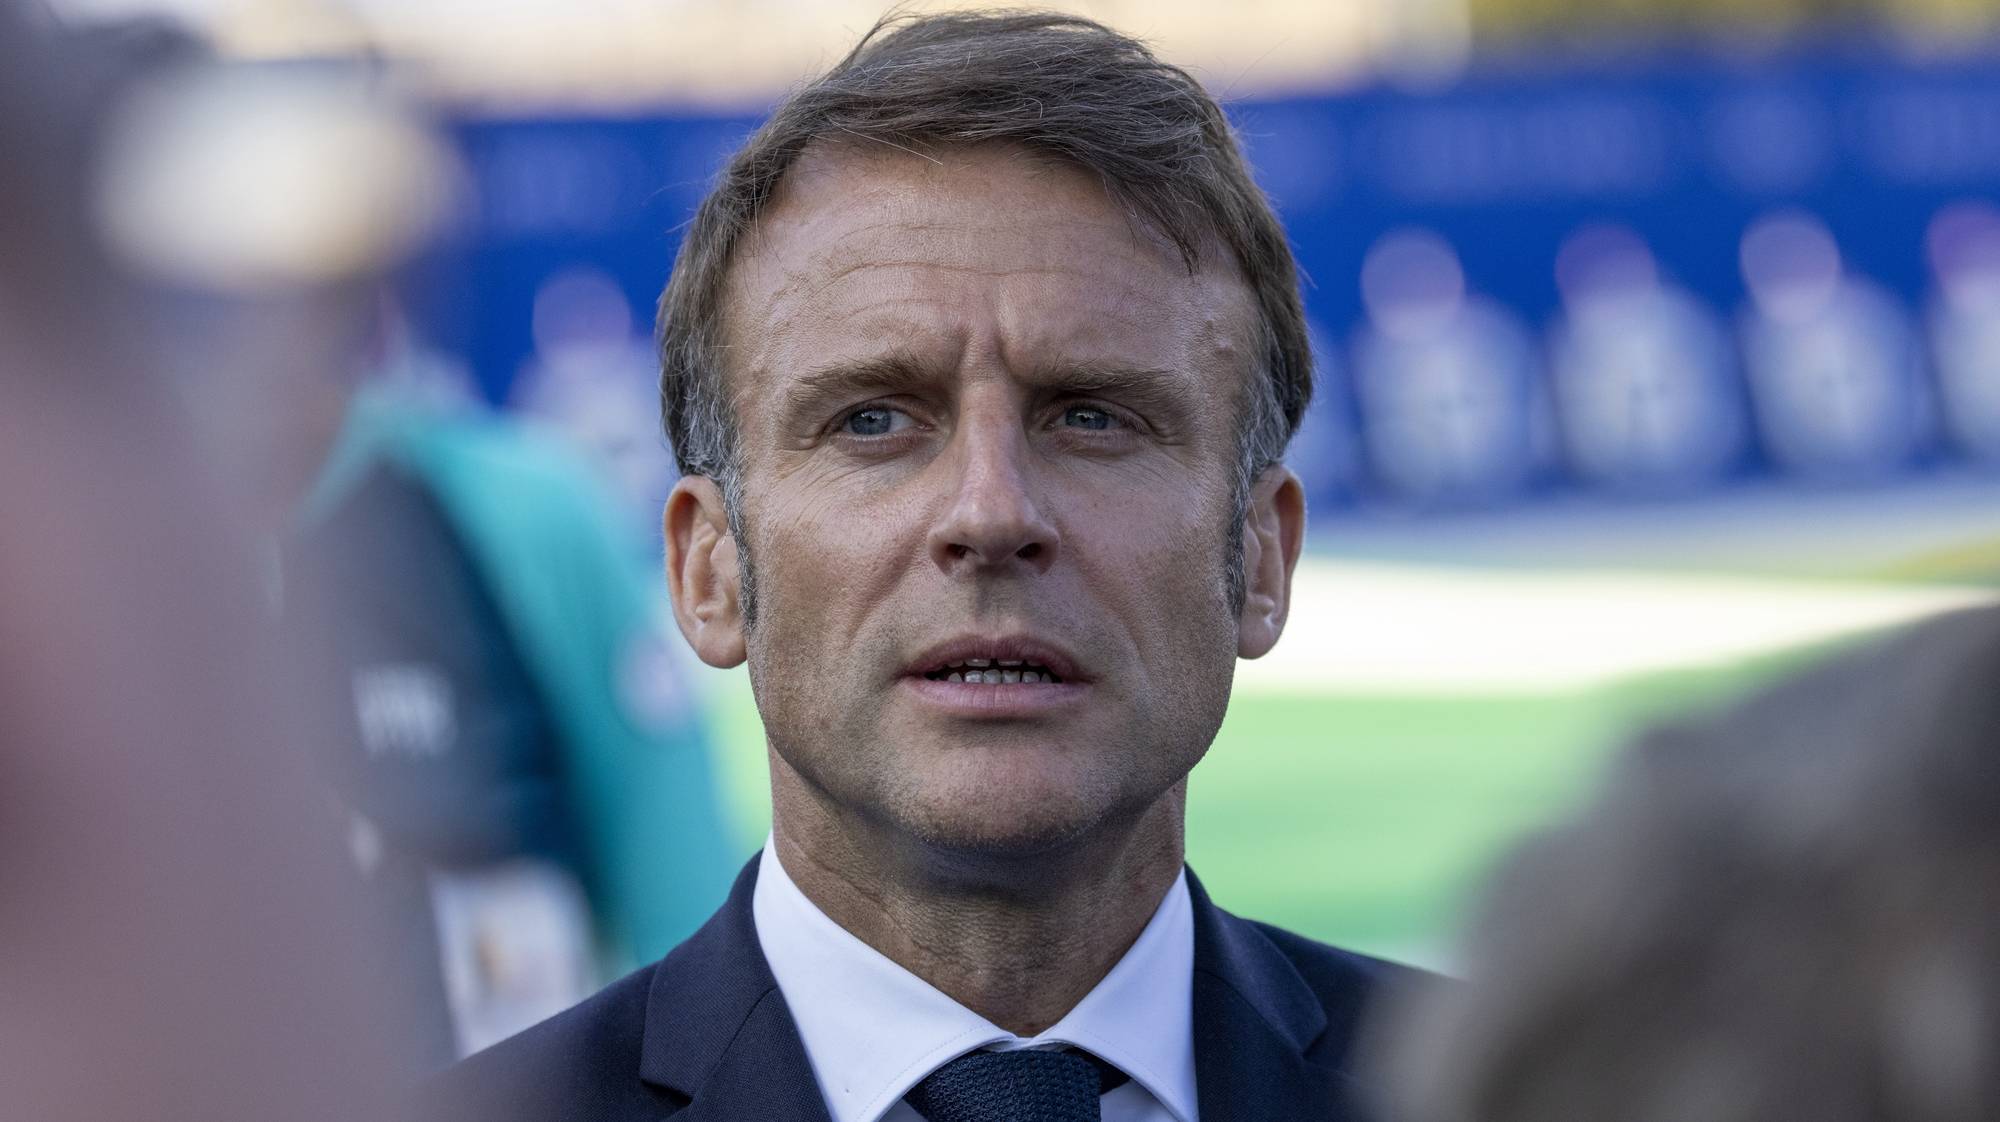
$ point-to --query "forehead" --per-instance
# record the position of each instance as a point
(984, 249)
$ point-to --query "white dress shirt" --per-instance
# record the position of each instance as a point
(873, 1030)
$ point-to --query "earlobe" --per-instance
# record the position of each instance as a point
(1274, 530)
(702, 573)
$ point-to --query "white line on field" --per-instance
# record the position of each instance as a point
(1404, 629)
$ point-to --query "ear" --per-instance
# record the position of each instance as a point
(1274, 530)
(702, 573)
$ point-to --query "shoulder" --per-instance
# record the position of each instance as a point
(1330, 993)
(490, 453)
(586, 1055)
(1347, 983)
(1330, 964)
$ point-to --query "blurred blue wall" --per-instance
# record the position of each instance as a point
(1686, 153)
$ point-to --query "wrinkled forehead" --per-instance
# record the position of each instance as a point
(915, 240)
(972, 188)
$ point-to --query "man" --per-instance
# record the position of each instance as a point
(979, 363)
(1789, 911)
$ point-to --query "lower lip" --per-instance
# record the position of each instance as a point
(1016, 700)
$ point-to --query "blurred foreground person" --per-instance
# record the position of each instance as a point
(178, 935)
(980, 363)
(527, 784)
(1788, 912)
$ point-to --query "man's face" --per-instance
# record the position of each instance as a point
(988, 431)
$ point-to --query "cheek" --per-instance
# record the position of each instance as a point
(823, 566)
(830, 544)
(1160, 565)
(1176, 536)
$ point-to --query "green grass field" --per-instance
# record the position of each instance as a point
(1362, 821)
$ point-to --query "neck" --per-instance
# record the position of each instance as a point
(1017, 938)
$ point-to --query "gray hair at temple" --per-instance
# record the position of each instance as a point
(1058, 85)
(1789, 911)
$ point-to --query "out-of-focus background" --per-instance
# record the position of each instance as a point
(1659, 350)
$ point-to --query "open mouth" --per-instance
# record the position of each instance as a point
(994, 672)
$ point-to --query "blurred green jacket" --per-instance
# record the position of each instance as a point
(591, 624)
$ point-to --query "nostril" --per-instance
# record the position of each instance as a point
(1002, 548)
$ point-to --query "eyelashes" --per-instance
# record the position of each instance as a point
(875, 421)
(879, 420)
(1090, 418)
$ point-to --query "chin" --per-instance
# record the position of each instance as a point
(984, 835)
(1010, 814)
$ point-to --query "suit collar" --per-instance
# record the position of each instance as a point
(717, 1029)
(872, 1029)
(1255, 1019)
(1243, 961)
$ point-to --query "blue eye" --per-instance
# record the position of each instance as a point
(876, 421)
(1084, 417)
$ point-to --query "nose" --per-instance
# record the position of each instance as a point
(993, 522)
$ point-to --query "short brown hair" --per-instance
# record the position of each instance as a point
(1062, 86)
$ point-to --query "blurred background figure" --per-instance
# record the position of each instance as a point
(1644, 375)
(1963, 247)
(1833, 361)
(533, 777)
(529, 800)
(591, 379)
(1447, 379)
(1791, 911)
(1326, 452)
(532, 771)
(179, 935)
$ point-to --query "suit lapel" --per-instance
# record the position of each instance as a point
(1254, 1020)
(718, 1032)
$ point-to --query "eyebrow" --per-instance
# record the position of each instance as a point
(844, 378)
(1125, 381)
(1164, 395)
(1157, 390)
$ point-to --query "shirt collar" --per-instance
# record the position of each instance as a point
(872, 1030)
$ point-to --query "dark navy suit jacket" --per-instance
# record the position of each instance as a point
(704, 1034)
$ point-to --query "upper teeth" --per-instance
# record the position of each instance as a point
(993, 672)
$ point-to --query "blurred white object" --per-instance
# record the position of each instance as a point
(1643, 373)
(1376, 629)
(237, 178)
(593, 378)
(515, 945)
(1832, 360)
(1963, 245)
(1447, 381)
(1326, 452)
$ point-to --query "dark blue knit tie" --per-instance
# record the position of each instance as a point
(1026, 1085)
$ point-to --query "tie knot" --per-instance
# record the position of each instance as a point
(1027, 1085)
